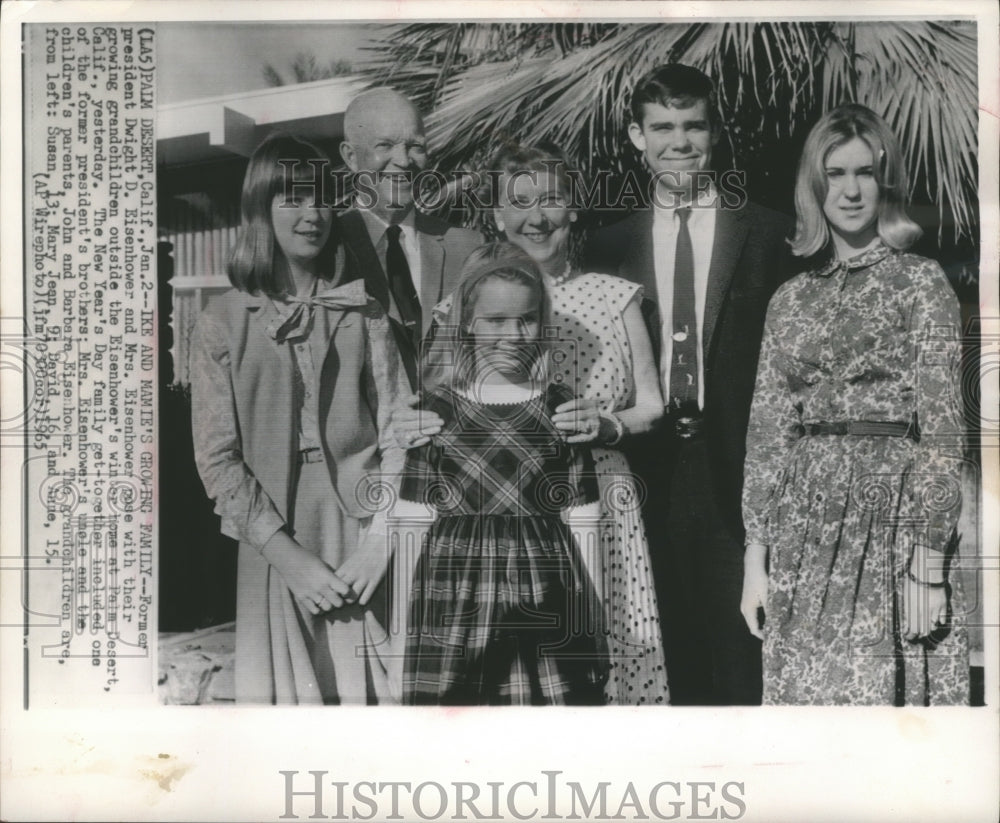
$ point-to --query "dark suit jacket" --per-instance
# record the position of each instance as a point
(443, 250)
(750, 259)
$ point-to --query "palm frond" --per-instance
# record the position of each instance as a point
(933, 110)
(271, 76)
(569, 83)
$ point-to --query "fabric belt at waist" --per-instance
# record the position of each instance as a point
(313, 455)
(863, 428)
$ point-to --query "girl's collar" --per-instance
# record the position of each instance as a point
(875, 254)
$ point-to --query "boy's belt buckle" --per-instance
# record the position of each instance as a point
(687, 427)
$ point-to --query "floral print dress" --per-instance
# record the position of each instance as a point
(875, 339)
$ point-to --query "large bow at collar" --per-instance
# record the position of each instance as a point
(297, 322)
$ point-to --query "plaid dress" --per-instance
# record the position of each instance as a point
(502, 609)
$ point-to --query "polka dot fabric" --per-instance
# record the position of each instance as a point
(592, 357)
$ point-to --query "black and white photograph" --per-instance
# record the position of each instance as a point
(570, 412)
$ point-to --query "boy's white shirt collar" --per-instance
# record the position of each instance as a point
(707, 198)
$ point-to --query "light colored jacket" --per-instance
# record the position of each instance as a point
(245, 423)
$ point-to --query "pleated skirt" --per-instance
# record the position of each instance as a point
(286, 655)
(842, 527)
(503, 612)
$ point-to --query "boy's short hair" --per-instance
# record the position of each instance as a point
(674, 85)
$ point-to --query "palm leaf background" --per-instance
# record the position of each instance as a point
(567, 84)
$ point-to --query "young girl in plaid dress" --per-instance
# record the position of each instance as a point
(502, 609)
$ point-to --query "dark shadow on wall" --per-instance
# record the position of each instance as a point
(197, 574)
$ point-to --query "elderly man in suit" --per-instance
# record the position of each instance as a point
(709, 262)
(409, 260)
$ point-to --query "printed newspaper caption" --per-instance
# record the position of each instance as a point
(90, 336)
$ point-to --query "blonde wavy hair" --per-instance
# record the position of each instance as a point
(834, 129)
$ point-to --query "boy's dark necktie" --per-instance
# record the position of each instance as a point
(684, 360)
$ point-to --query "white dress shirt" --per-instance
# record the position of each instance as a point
(408, 240)
(701, 226)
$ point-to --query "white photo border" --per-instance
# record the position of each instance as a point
(150, 762)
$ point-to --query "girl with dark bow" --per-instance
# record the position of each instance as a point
(294, 373)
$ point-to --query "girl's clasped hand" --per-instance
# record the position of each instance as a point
(316, 586)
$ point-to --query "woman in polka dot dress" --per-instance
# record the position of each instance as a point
(604, 354)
